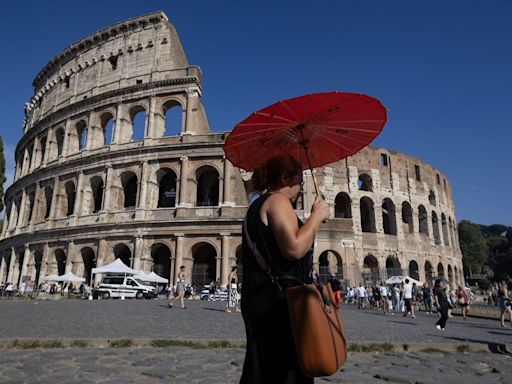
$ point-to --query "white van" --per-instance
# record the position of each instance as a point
(127, 286)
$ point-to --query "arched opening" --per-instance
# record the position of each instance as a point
(367, 215)
(329, 264)
(389, 217)
(48, 193)
(30, 151)
(423, 220)
(450, 225)
(172, 118)
(440, 270)
(161, 256)
(107, 128)
(203, 270)
(97, 193)
(207, 187)
(407, 221)
(445, 229)
(240, 264)
(450, 274)
(414, 270)
(89, 260)
(432, 198)
(38, 260)
(70, 197)
(129, 182)
(456, 275)
(30, 206)
(42, 145)
(59, 137)
(365, 183)
(342, 206)
(60, 259)
(393, 267)
(138, 120)
(429, 272)
(370, 269)
(166, 179)
(435, 228)
(81, 134)
(121, 251)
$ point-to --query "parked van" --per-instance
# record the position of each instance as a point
(127, 286)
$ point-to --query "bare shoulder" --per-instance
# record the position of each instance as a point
(276, 204)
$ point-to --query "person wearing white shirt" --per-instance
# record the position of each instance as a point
(384, 297)
(408, 299)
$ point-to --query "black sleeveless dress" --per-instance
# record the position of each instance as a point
(270, 350)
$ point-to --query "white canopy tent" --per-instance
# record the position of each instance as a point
(70, 276)
(151, 278)
(117, 266)
(401, 280)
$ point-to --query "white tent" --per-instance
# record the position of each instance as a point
(70, 276)
(157, 278)
(401, 280)
(150, 277)
(115, 267)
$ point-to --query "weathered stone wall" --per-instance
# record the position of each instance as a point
(117, 160)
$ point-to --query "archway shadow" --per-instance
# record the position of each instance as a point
(493, 347)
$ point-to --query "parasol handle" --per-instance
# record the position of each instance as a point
(312, 173)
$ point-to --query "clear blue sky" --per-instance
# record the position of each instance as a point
(443, 69)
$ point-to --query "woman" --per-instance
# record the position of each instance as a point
(441, 303)
(180, 288)
(463, 301)
(504, 303)
(232, 291)
(286, 244)
(427, 298)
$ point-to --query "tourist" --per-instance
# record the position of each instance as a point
(23, 286)
(9, 290)
(286, 244)
(427, 298)
(384, 297)
(463, 301)
(361, 296)
(504, 303)
(441, 303)
(408, 299)
(396, 297)
(180, 288)
(233, 291)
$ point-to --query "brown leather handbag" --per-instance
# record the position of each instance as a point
(317, 329)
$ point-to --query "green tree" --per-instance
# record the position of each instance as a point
(2, 174)
(473, 246)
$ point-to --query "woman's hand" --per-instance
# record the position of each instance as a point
(320, 209)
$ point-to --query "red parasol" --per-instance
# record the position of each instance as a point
(316, 129)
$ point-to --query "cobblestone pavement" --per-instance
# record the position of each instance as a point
(152, 319)
(185, 365)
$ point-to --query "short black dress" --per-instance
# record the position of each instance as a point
(270, 350)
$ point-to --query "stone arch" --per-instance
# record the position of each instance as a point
(207, 186)
(451, 225)
(48, 195)
(445, 229)
(389, 217)
(107, 128)
(70, 189)
(450, 275)
(432, 198)
(342, 206)
(38, 261)
(204, 256)
(166, 179)
(407, 219)
(370, 268)
(172, 111)
(30, 160)
(414, 270)
(440, 269)
(88, 262)
(367, 215)
(123, 252)
(329, 263)
(129, 181)
(161, 256)
(60, 261)
(429, 272)
(31, 197)
(59, 138)
(42, 152)
(97, 190)
(435, 228)
(365, 182)
(393, 267)
(137, 123)
(81, 134)
(423, 220)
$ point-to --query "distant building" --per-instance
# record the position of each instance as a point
(117, 161)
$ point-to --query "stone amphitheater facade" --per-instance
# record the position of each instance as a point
(117, 161)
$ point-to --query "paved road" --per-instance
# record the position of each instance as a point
(76, 319)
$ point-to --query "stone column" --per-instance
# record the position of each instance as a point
(143, 188)
(137, 253)
(44, 261)
(184, 200)
(190, 118)
(67, 136)
(77, 210)
(35, 208)
(108, 188)
(227, 185)
(34, 156)
(151, 119)
(12, 263)
(225, 258)
(26, 257)
(20, 219)
(100, 258)
(55, 198)
(70, 257)
(3, 267)
(119, 125)
(48, 148)
(180, 250)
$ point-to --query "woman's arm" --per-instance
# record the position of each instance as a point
(294, 242)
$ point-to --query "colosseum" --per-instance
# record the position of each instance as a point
(117, 161)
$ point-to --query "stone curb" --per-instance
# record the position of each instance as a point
(354, 347)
